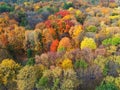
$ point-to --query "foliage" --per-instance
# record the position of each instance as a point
(8, 73)
(88, 43)
(31, 61)
(66, 64)
(62, 13)
(80, 64)
(91, 28)
(111, 41)
(42, 82)
(22, 18)
(114, 80)
(27, 77)
(64, 44)
(67, 5)
(107, 86)
(29, 53)
(6, 8)
(54, 45)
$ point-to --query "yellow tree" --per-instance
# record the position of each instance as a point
(8, 71)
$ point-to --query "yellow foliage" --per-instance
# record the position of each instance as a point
(114, 17)
(100, 61)
(112, 5)
(77, 12)
(77, 30)
(9, 63)
(16, 37)
(8, 71)
(115, 80)
(71, 9)
(67, 64)
(67, 17)
(36, 7)
(88, 43)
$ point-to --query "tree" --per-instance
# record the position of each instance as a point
(8, 72)
(27, 77)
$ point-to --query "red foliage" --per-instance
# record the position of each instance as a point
(54, 45)
(48, 23)
(62, 13)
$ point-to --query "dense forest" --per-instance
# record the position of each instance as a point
(59, 44)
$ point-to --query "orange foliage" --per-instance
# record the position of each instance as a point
(3, 40)
(54, 45)
(51, 31)
(65, 42)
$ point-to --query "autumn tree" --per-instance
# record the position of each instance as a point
(8, 72)
(27, 77)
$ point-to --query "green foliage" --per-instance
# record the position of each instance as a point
(40, 10)
(105, 70)
(52, 9)
(61, 49)
(80, 64)
(29, 53)
(6, 8)
(91, 28)
(22, 18)
(107, 86)
(67, 5)
(31, 61)
(56, 83)
(42, 82)
(80, 19)
(111, 41)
